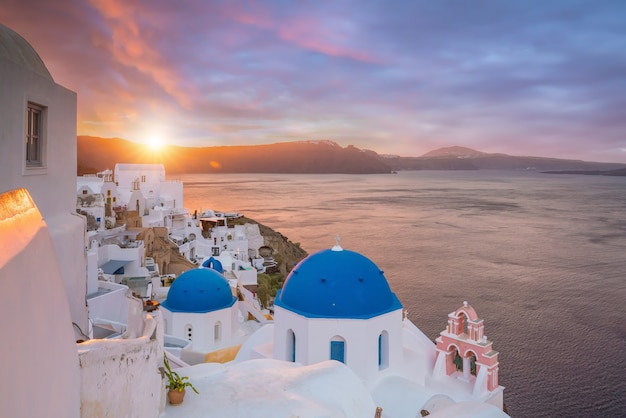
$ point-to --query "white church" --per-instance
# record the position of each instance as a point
(200, 308)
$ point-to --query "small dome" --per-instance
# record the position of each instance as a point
(199, 291)
(337, 283)
(214, 264)
(16, 49)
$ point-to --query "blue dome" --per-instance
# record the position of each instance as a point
(214, 264)
(337, 284)
(200, 290)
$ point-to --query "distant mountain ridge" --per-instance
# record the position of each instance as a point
(318, 156)
(455, 152)
(96, 154)
(462, 158)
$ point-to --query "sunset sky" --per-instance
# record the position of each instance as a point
(525, 77)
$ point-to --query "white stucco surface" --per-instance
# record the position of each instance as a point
(121, 377)
(39, 375)
(271, 388)
(24, 79)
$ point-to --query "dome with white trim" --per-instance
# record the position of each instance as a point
(337, 283)
(199, 291)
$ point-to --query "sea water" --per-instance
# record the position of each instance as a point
(542, 259)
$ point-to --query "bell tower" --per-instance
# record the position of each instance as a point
(464, 353)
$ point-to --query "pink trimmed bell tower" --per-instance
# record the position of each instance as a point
(464, 353)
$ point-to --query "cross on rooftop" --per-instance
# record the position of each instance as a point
(337, 247)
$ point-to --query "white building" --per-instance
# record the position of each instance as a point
(37, 140)
(121, 255)
(149, 180)
(338, 306)
(43, 265)
(96, 196)
(201, 308)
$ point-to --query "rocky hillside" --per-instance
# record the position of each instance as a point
(286, 253)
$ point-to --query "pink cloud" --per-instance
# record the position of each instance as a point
(325, 38)
(252, 15)
(133, 48)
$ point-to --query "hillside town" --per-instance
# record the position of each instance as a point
(115, 293)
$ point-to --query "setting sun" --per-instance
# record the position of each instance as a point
(155, 143)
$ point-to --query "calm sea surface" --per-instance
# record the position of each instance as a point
(542, 258)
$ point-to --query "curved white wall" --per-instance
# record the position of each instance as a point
(41, 370)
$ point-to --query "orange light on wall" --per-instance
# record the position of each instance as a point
(19, 222)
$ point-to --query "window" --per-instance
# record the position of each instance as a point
(34, 135)
(189, 332)
(291, 346)
(217, 332)
(337, 349)
(383, 350)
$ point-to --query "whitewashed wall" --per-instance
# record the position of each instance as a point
(52, 186)
(40, 365)
(313, 336)
(121, 378)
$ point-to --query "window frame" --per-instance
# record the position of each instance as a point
(37, 164)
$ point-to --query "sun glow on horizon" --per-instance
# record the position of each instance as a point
(155, 142)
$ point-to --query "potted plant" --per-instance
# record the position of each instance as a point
(175, 383)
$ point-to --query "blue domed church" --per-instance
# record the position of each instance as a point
(337, 305)
(201, 308)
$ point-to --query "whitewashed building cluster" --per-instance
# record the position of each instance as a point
(339, 345)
